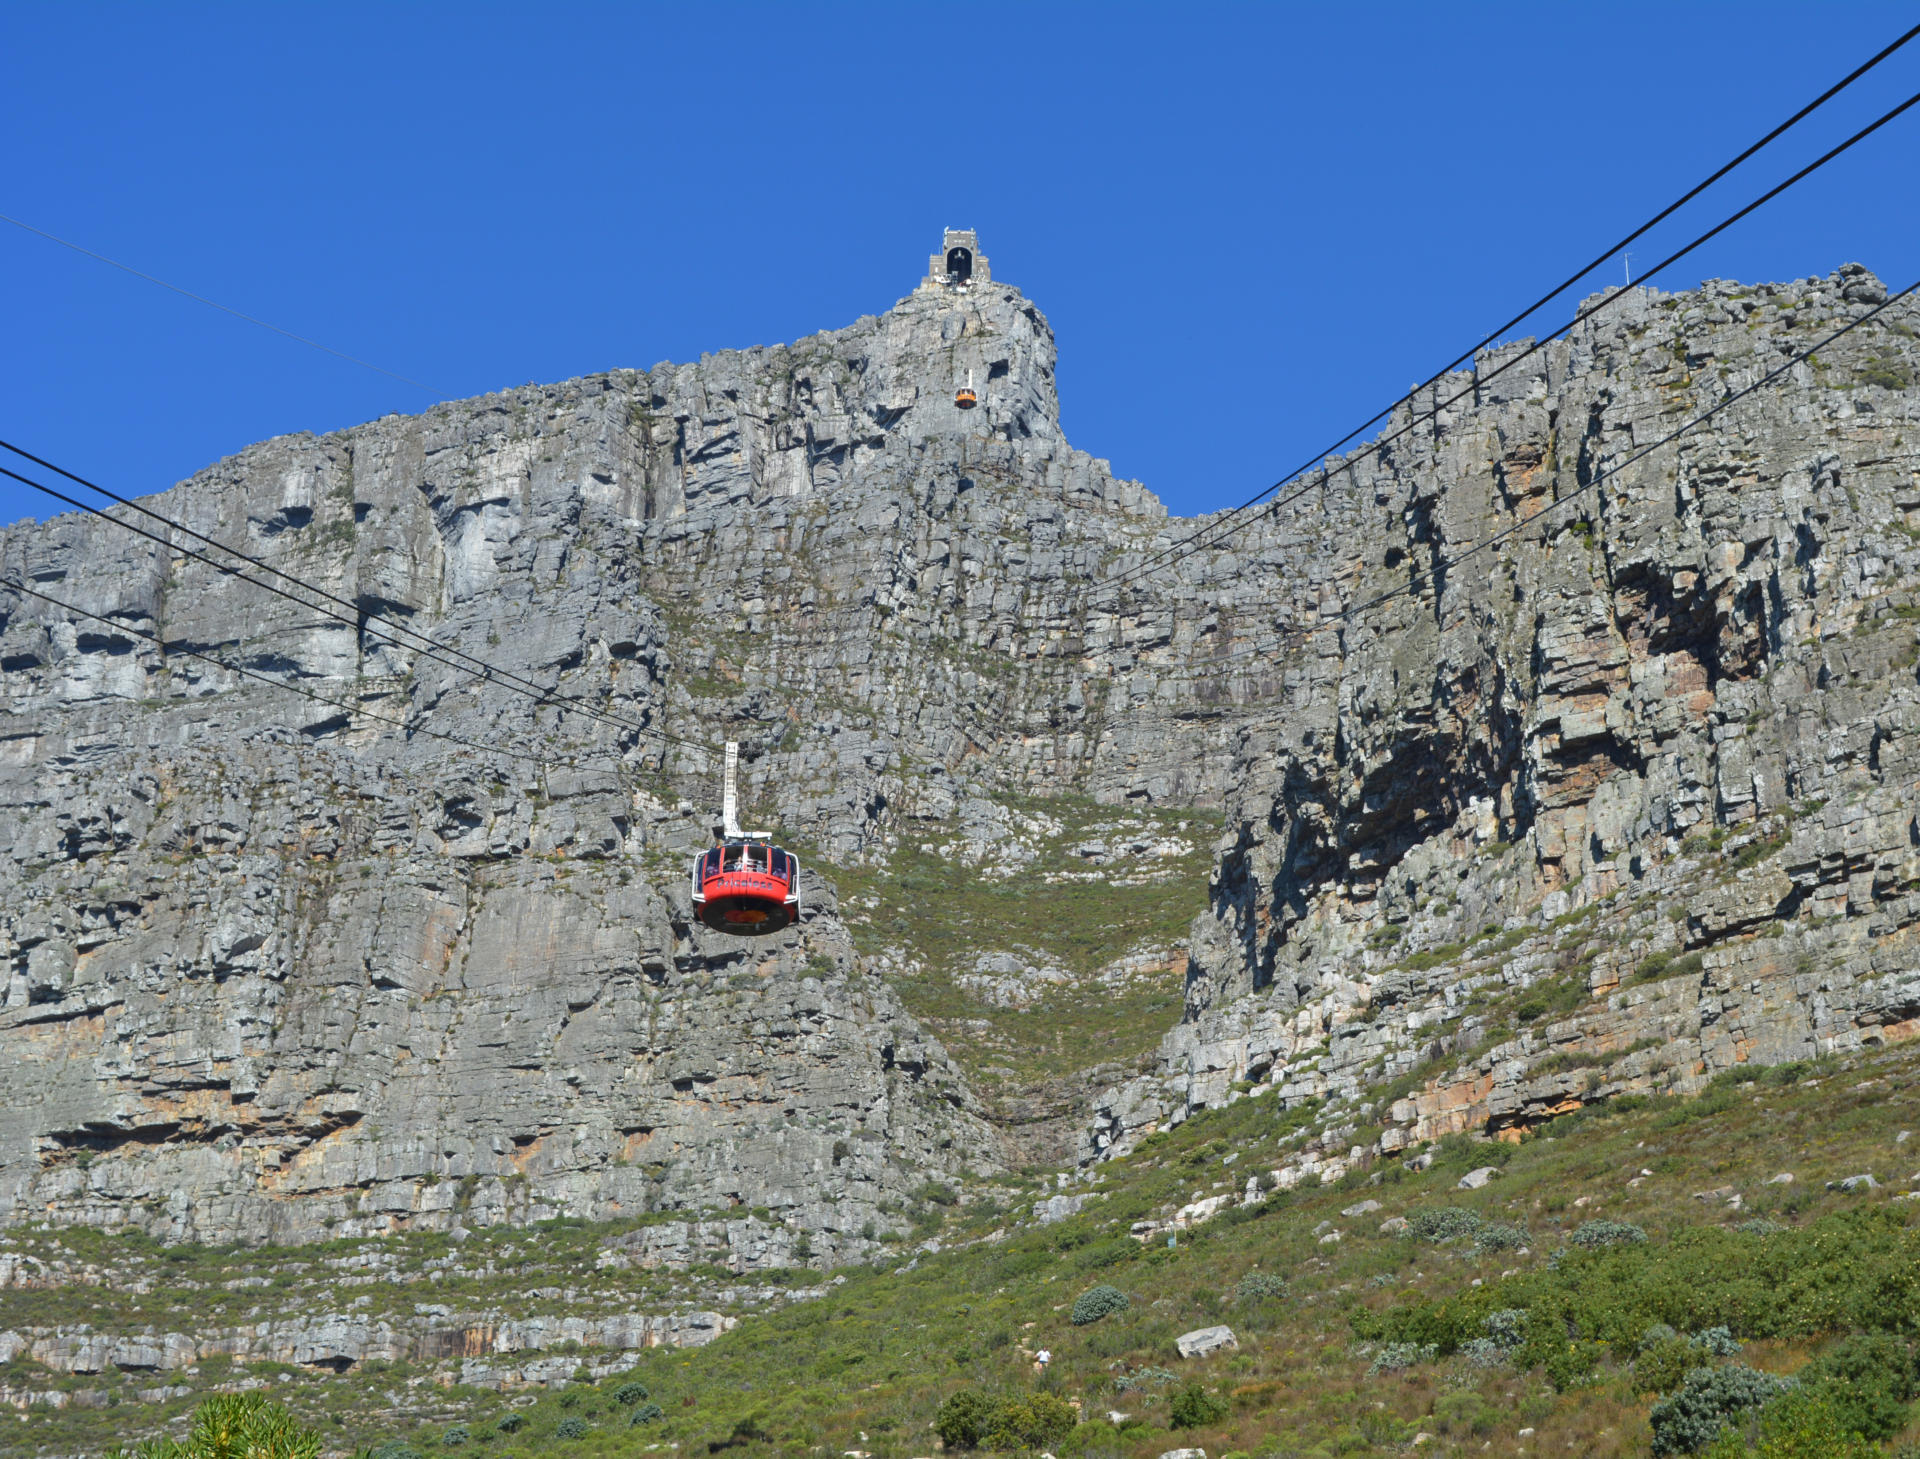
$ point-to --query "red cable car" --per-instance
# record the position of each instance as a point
(747, 888)
(746, 885)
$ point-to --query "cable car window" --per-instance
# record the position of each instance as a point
(959, 264)
(780, 863)
(709, 865)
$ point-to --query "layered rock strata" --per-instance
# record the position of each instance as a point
(281, 967)
(1650, 750)
(415, 950)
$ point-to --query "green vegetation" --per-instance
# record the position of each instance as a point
(1600, 1291)
(971, 1420)
(236, 1426)
(1058, 909)
(1096, 1303)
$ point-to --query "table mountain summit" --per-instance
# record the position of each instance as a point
(282, 966)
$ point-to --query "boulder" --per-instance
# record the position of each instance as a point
(1204, 1340)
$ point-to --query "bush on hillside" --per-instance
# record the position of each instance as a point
(1506, 1327)
(1465, 1414)
(1038, 1421)
(1662, 1365)
(1105, 1253)
(1719, 1341)
(512, 1423)
(570, 1428)
(1850, 1271)
(1397, 1357)
(962, 1420)
(1799, 1425)
(1258, 1287)
(236, 1426)
(1608, 1233)
(1708, 1401)
(1442, 1223)
(969, 1419)
(1867, 1380)
(1194, 1408)
(631, 1392)
(1495, 1236)
(1096, 1303)
(1484, 1352)
(646, 1413)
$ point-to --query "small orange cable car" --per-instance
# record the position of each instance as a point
(964, 397)
(745, 886)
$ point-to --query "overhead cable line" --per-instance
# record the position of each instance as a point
(1446, 564)
(343, 706)
(1187, 545)
(126, 268)
(422, 644)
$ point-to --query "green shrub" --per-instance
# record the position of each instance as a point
(1096, 1303)
(1506, 1328)
(1494, 1236)
(1663, 1364)
(1803, 1425)
(1105, 1253)
(962, 1421)
(392, 1449)
(458, 1434)
(1442, 1223)
(1465, 1413)
(1867, 1380)
(1142, 1378)
(1194, 1408)
(1850, 1271)
(1483, 1352)
(1608, 1233)
(512, 1423)
(646, 1413)
(1718, 1340)
(1397, 1357)
(1258, 1287)
(570, 1428)
(1038, 1421)
(1708, 1401)
(630, 1393)
(237, 1426)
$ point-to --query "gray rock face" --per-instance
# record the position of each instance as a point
(1651, 748)
(282, 967)
(341, 1340)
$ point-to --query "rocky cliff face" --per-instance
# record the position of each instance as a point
(278, 967)
(1619, 802)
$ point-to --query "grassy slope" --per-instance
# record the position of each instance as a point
(876, 1356)
(1059, 909)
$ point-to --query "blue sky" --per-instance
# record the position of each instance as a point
(1251, 225)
